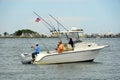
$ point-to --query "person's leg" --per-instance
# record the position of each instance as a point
(33, 55)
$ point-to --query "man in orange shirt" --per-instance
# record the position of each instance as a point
(60, 47)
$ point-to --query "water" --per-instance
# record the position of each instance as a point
(106, 66)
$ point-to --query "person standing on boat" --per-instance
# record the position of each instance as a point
(71, 43)
(60, 47)
(37, 51)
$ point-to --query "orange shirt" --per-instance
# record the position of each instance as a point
(60, 48)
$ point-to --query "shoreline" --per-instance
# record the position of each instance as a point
(52, 37)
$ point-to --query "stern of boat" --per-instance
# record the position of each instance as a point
(26, 58)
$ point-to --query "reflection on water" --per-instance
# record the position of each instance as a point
(105, 67)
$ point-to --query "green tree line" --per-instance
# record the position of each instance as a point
(24, 31)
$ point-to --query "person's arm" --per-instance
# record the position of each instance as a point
(33, 47)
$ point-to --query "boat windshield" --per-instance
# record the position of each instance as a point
(71, 34)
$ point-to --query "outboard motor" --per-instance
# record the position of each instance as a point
(26, 58)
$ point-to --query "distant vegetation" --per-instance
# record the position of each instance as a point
(30, 33)
(24, 31)
(27, 33)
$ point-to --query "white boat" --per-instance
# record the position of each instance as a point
(82, 52)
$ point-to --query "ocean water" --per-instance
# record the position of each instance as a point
(106, 66)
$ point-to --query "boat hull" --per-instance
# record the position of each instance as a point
(53, 57)
(68, 57)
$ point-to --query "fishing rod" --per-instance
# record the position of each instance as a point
(58, 22)
(53, 28)
(44, 46)
(58, 31)
(48, 28)
(58, 28)
(28, 40)
(60, 25)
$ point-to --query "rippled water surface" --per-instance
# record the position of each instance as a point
(106, 66)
